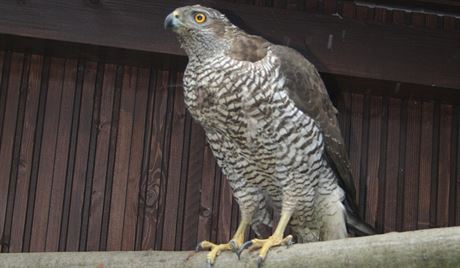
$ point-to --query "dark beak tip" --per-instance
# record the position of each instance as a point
(169, 22)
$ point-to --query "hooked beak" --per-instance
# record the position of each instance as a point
(172, 21)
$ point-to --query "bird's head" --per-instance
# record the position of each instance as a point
(201, 30)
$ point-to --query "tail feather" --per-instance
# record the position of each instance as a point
(355, 224)
(358, 227)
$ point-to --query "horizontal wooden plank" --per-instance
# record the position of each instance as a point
(336, 45)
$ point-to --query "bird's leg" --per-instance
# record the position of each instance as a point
(276, 239)
(232, 245)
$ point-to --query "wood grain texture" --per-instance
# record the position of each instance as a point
(101, 159)
(412, 164)
(25, 157)
(63, 142)
(392, 164)
(48, 155)
(7, 136)
(426, 147)
(137, 25)
(122, 161)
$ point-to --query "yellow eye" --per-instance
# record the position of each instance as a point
(200, 18)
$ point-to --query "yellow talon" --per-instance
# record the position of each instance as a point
(216, 249)
(275, 240)
(266, 244)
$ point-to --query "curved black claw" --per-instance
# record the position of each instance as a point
(198, 247)
(290, 243)
(246, 245)
(209, 264)
(234, 246)
(260, 260)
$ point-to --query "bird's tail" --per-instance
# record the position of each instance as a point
(358, 227)
(355, 224)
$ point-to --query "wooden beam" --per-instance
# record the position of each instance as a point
(426, 248)
(335, 45)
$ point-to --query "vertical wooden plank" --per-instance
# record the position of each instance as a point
(155, 175)
(184, 179)
(356, 138)
(449, 24)
(382, 166)
(71, 161)
(399, 17)
(7, 134)
(165, 161)
(91, 157)
(5, 66)
(362, 12)
(36, 154)
(418, 19)
(192, 199)
(217, 193)
(16, 153)
(412, 165)
(430, 20)
(457, 197)
(392, 164)
(373, 160)
(120, 179)
(81, 157)
(225, 212)
(174, 172)
(119, 70)
(47, 156)
(426, 153)
(135, 162)
(435, 163)
(25, 156)
(444, 172)
(402, 166)
(330, 7)
(206, 200)
(454, 167)
(311, 5)
(349, 10)
(364, 156)
(145, 160)
(380, 15)
(102, 156)
(235, 217)
(62, 154)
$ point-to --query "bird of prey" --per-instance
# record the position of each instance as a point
(272, 128)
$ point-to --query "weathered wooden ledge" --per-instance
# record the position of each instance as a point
(426, 248)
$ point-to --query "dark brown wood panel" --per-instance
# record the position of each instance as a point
(7, 136)
(101, 159)
(27, 146)
(412, 164)
(48, 155)
(122, 159)
(62, 165)
(109, 159)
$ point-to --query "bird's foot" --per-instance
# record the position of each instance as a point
(264, 245)
(216, 249)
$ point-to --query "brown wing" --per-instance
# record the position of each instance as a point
(307, 90)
